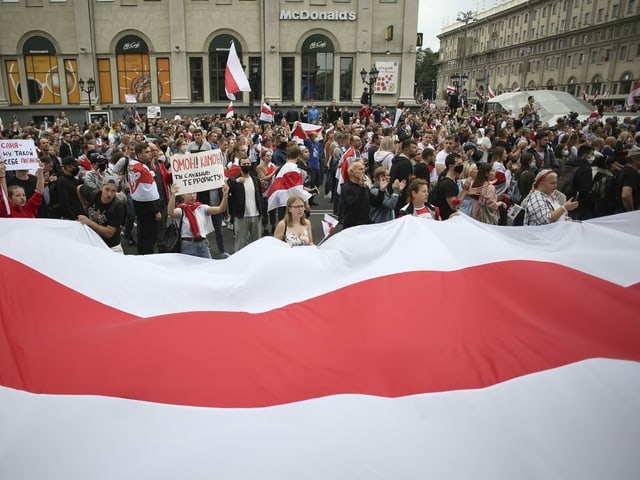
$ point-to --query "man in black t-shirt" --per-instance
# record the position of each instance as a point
(628, 183)
(446, 198)
(104, 211)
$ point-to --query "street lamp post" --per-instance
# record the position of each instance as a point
(464, 17)
(373, 76)
(458, 81)
(91, 85)
(253, 74)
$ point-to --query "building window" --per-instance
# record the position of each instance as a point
(594, 56)
(615, 11)
(587, 18)
(134, 80)
(255, 77)
(596, 84)
(574, 21)
(104, 81)
(196, 77)
(553, 8)
(164, 80)
(13, 80)
(346, 79)
(580, 58)
(317, 68)
(572, 86)
(218, 54)
(544, 12)
(41, 68)
(625, 84)
(623, 53)
(631, 6)
(288, 78)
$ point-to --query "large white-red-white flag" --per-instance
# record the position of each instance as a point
(490, 93)
(235, 80)
(189, 368)
(302, 131)
(342, 172)
(288, 181)
(266, 114)
(633, 95)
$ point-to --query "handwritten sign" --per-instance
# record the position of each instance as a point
(197, 172)
(19, 154)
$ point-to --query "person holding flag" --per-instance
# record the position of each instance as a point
(288, 181)
(266, 114)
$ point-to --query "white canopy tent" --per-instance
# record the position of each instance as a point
(553, 104)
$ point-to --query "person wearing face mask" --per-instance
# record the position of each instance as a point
(68, 206)
(93, 178)
(445, 194)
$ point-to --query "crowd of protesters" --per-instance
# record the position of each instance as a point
(374, 163)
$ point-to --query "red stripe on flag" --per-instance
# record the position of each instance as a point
(286, 181)
(336, 343)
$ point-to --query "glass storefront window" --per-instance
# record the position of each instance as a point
(317, 68)
(346, 79)
(288, 72)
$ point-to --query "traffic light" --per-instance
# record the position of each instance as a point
(389, 35)
(419, 40)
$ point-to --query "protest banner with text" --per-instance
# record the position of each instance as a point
(19, 154)
(197, 172)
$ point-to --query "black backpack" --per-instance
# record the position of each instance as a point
(565, 180)
(602, 194)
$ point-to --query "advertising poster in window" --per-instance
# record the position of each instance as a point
(387, 81)
(13, 80)
(71, 78)
(43, 79)
(134, 77)
(164, 80)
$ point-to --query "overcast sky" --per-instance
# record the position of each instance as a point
(431, 14)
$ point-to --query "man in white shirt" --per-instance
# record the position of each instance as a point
(442, 154)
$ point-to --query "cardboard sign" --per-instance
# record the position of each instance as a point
(197, 172)
(19, 154)
(153, 111)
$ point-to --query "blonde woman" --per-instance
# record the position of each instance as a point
(295, 228)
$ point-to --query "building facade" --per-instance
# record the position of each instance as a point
(172, 53)
(584, 47)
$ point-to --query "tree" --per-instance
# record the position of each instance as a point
(426, 72)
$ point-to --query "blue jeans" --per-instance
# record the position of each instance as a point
(217, 225)
(196, 249)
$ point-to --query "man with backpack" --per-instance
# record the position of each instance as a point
(602, 192)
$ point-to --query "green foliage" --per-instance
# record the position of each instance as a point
(426, 71)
